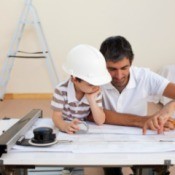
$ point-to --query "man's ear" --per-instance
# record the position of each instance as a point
(131, 62)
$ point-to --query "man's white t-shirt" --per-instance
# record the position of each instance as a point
(133, 99)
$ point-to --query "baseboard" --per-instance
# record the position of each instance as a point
(28, 96)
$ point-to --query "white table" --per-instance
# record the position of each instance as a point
(69, 159)
(27, 159)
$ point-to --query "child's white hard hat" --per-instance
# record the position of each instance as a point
(88, 64)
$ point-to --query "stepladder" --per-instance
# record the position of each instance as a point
(29, 16)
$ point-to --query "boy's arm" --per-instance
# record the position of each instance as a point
(58, 120)
(97, 112)
(69, 127)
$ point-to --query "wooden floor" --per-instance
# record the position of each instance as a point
(19, 107)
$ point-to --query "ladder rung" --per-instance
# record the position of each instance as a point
(15, 56)
(32, 52)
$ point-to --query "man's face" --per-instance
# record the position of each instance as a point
(119, 72)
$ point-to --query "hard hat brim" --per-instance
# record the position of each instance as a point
(98, 81)
(93, 80)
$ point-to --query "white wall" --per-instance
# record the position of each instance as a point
(149, 25)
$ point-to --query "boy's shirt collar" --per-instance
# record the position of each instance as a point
(71, 94)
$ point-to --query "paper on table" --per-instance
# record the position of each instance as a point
(105, 139)
(123, 147)
(103, 147)
(93, 128)
(116, 138)
(63, 147)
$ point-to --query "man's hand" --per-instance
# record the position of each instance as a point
(169, 125)
(160, 122)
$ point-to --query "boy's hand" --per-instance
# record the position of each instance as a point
(92, 96)
(72, 126)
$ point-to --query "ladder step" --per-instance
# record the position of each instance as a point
(15, 56)
(32, 52)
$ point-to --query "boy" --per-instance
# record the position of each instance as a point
(75, 98)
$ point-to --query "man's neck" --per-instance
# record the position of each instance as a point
(120, 89)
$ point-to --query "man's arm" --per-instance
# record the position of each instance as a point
(124, 119)
(170, 91)
(115, 118)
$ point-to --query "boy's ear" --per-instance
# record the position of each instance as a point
(73, 79)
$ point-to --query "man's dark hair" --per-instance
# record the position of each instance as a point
(116, 48)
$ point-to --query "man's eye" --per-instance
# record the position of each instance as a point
(111, 69)
(125, 68)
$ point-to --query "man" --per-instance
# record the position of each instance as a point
(125, 98)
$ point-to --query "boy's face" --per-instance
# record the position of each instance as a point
(85, 87)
